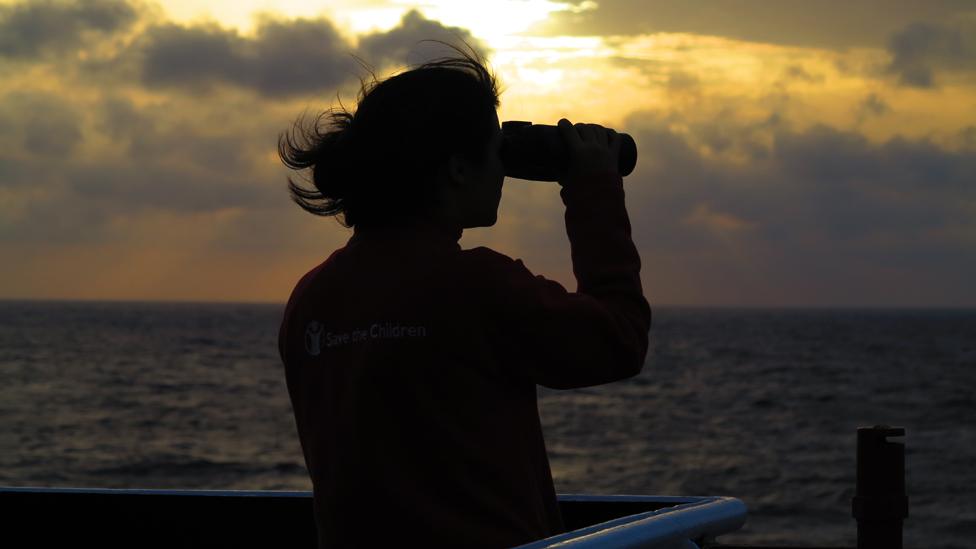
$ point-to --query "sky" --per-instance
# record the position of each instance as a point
(790, 153)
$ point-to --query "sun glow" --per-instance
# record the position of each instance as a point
(488, 22)
(497, 19)
(239, 14)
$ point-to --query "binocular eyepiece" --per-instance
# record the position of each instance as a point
(537, 152)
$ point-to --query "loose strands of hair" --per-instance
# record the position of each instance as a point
(304, 148)
(321, 145)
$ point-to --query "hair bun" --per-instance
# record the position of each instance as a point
(335, 164)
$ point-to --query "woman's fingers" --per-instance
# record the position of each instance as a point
(577, 134)
(600, 134)
(569, 133)
(585, 132)
(593, 149)
(614, 143)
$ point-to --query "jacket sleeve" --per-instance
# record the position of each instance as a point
(547, 335)
(293, 300)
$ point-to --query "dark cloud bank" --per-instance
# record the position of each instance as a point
(921, 37)
(921, 48)
(284, 57)
(30, 30)
(825, 23)
(822, 216)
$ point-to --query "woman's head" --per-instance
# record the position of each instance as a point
(417, 143)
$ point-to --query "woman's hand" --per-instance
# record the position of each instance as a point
(593, 150)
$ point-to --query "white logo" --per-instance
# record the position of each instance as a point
(313, 338)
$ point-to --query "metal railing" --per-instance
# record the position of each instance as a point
(675, 527)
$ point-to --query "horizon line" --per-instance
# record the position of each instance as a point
(653, 305)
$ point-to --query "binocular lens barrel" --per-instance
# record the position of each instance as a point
(537, 152)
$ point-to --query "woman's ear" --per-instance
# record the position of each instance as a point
(457, 169)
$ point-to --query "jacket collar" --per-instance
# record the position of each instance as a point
(413, 232)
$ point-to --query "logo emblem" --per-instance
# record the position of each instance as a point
(313, 338)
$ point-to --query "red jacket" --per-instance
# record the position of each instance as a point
(412, 367)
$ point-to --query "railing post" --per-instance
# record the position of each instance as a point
(880, 504)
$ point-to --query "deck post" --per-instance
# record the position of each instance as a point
(880, 504)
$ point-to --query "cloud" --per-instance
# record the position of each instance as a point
(920, 49)
(83, 161)
(283, 58)
(872, 106)
(832, 24)
(120, 120)
(680, 81)
(139, 160)
(40, 123)
(797, 72)
(719, 222)
(402, 44)
(967, 137)
(30, 30)
(822, 216)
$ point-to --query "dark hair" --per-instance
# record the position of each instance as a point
(377, 165)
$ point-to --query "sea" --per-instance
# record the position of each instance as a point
(759, 404)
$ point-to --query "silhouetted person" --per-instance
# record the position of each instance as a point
(412, 364)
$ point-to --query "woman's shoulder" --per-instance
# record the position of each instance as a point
(493, 267)
(483, 257)
(483, 253)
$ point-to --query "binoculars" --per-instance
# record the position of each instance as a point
(537, 152)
